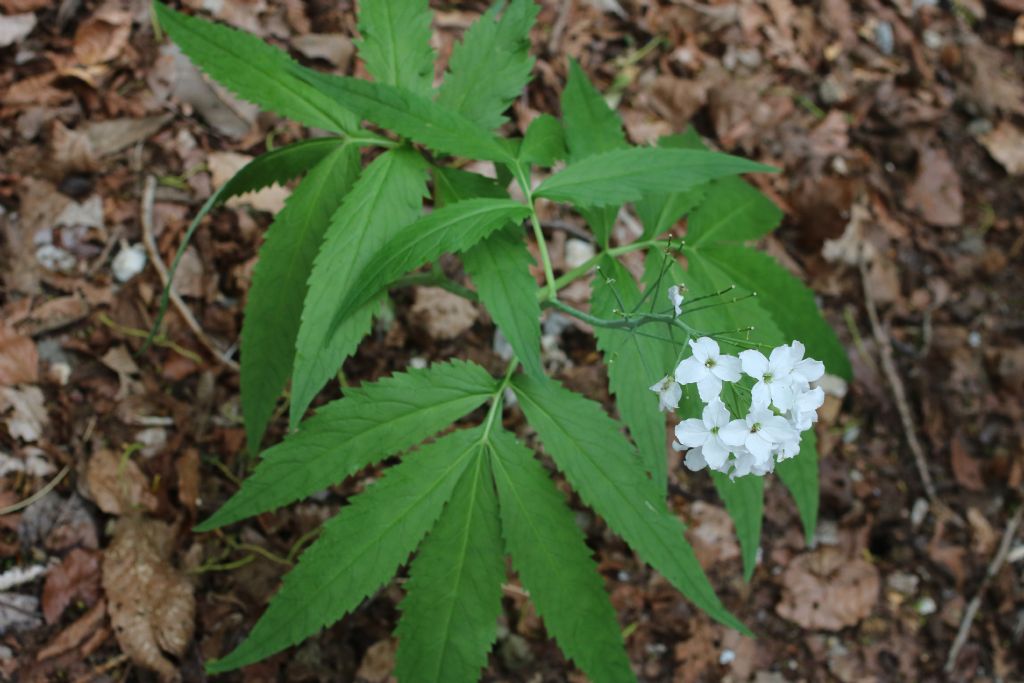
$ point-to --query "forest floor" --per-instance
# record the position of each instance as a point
(898, 126)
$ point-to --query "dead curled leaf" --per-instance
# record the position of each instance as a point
(826, 590)
(26, 412)
(77, 577)
(151, 604)
(73, 635)
(103, 36)
(117, 486)
(19, 359)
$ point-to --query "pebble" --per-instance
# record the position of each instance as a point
(926, 606)
(904, 583)
(884, 38)
(727, 657)
(129, 262)
(577, 252)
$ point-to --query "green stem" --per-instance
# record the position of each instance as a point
(496, 401)
(588, 265)
(434, 279)
(538, 234)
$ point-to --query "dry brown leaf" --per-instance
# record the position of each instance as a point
(188, 479)
(117, 485)
(826, 590)
(77, 577)
(73, 635)
(26, 412)
(71, 150)
(18, 6)
(966, 469)
(336, 48)
(1005, 143)
(151, 604)
(224, 165)
(441, 314)
(15, 27)
(983, 536)
(54, 314)
(35, 91)
(951, 557)
(19, 358)
(711, 534)
(103, 36)
(378, 662)
(936, 192)
(107, 137)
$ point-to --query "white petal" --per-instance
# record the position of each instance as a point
(704, 348)
(809, 370)
(781, 361)
(760, 395)
(754, 363)
(727, 368)
(758, 447)
(709, 387)
(675, 295)
(694, 460)
(809, 400)
(735, 433)
(690, 370)
(716, 414)
(796, 350)
(691, 433)
(715, 453)
(782, 396)
(777, 430)
(669, 398)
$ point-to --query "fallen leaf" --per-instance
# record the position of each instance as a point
(19, 358)
(1005, 143)
(966, 469)
(151, 604)
(224, 165)
(441, 314)
(336, 48)
(76, 577)
(103, 36)
(949, 556)
(73, 635)
(58, 524)
(711, 534)
(71, 150)
(117, 485)
(107, 137)
(19, 612)
(378, 662)
(983, 536)
(28, 414)
(15, 27)
(188, 479)
(935, 192)
(826, 590)
(120, 360)
(54, 314)
(35, 91)
(18, 6)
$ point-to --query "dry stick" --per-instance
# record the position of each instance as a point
(899, 394)
(561, 20)
(993, 568)
(148, 195)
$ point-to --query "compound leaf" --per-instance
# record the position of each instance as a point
(453, 595)
(388, 196)
(253, 70)
(800, 475)
(744, 500)
(500, 268)
(659, 212)
(370, 423)
(602, 467)
(544, 143)
(360, 548)
(274, 306)
(625, 175)
(492, 64)
(732, 211)
(555, 564)
(396, 43)
(453, 228)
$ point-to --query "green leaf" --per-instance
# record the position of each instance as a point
(396, 43)
(789, 301)
(253, 70)
(277, 166)
(274, 306)
(800, 475)
(659, 212)
(360, 548)
(452, 185)
(370, 423)
(744, 499)
(453, 595)
(500, 268)
(413, 116)
(627, 175)
(388, 196)
(635, 362)
(591, 126)
(732, 211)
(453, 228)
(555, 564)
(492, 64)
(602, 467)
(544, 143)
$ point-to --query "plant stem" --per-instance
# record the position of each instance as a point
(496, 402)
(549, 273)
(588, 265)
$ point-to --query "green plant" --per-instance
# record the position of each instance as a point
(468, 496)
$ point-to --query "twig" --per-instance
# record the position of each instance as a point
(148, 195)
(899, 394)
(993, 568)
(38, 494)
(558, 29)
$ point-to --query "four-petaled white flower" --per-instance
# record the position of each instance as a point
(805, 408)
(707, 368)
(774, 376)
(706, 434)
(669, 393)
(675, 295)
(759, 432)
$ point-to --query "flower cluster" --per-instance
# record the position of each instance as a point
(782, 405)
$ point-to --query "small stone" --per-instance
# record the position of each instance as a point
(418, 363)
(918, 512)
(885, 39)
(904, 583)
(727, 657)
(515, 652)
(926, 606)
(577, 252)
(129, 262)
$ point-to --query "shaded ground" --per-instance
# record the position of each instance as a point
(897, 127)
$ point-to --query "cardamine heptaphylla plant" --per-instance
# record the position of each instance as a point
(383, 195)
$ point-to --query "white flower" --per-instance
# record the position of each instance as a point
(705, 434)
(675, 295)
(759, 432)
(668, 392)
(694, 459)
(806, 369)
(746, 463)
(805, 408)
(707, 368)
(774, 376)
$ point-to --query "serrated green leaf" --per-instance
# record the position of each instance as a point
(544, 143)
(453, 595)
(360, 548)
(452, 185)
(744, 500)
(800, 475)
(634, 363)
(627, 175)
(387, 197)
(277, 166)
(370, 423)
(500, 268)
(789, 301)
(253, 70)
(732, 211)
(453, 228)
(490, 67)
(602, 467)
(555, 564)
(274, 306)
(395, 43)
(591, 126)
(413, 116)
(659, 212)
